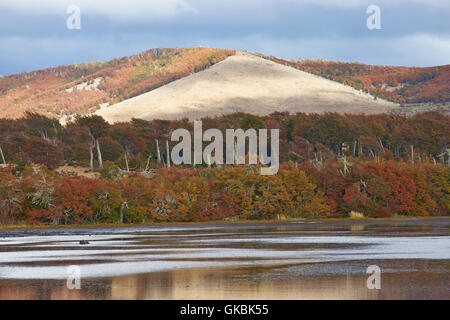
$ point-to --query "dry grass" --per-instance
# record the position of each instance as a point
(356, 215)
(23, 226)
(78, 171)
(245, 83)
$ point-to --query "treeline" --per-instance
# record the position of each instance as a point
(89, 141)
(379, 165)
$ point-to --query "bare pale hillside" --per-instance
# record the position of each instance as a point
(245, 83)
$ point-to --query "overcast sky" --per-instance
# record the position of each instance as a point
(34, 35)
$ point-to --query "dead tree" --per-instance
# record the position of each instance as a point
(91, 154)
(148, 163)
(2, 156)
(122, 207)
(347, 166)
(158, 152)
(442, 156)
(167, 154)
(99, 154)
(318, 160)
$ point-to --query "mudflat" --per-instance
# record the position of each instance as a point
(288, 260)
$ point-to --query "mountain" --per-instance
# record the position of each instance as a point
(194, 82)
(81, 88)
(245, 83)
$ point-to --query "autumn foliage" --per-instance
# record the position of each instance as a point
(331, 165)
(377, 189)
(81, 88)
(399, 84)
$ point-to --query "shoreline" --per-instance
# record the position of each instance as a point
(221, 223)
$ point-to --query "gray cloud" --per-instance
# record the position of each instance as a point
(33, 35)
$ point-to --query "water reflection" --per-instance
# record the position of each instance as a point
(226, 285)
(250, 283)
(289, 261)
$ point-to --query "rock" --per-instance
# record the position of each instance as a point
(84, 242)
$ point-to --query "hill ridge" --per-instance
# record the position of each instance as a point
(244, 82)
(82, 88)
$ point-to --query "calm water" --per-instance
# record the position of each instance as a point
(310, 260)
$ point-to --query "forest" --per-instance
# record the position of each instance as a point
(78, 89)
(394, 83)
(85, 87)
(332, 166)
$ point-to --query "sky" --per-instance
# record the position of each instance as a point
(34, 34)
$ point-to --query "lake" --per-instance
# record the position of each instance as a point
(286, 260)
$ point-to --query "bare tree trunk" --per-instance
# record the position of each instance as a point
(122, 207)
(158, 152)
(148, 163)
(412, 155)
(91, 152)
(126, 162)
(354, 148)
(3, 157)
(44, 134)
(167, 153)
(99, 154)
(381, 144)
